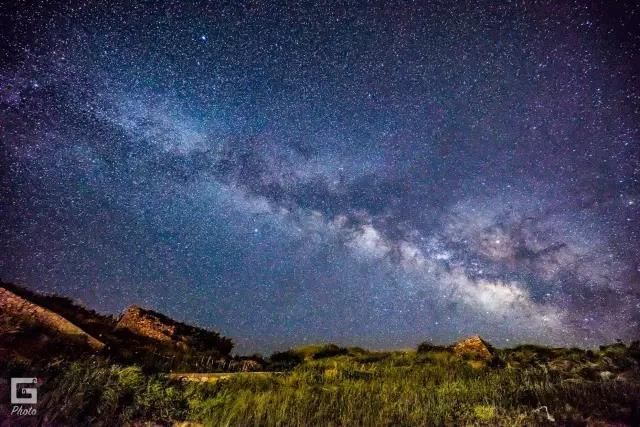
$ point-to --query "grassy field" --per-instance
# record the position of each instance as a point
(353, 387)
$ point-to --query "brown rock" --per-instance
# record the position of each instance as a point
(16, 306)
(148, 324)
(474, 347)
(171, 333)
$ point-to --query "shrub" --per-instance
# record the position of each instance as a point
(284, 360)
(329, 350)
(426, 346)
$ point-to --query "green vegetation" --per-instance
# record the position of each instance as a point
(330, 385)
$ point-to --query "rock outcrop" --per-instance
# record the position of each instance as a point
(35, 326)
(170, 333)
(15, 306)
(474, 347)
(147, 324)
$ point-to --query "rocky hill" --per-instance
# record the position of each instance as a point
(164, 330)
(32, 324)
(93, 323)
(15, 306)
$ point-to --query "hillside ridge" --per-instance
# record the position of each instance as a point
(36, 324)
(16, 306)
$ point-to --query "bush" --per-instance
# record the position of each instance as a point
(329, 350)
(109, 395)
(285, 360)
(426, 346)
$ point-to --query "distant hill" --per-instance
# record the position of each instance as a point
(33, 325)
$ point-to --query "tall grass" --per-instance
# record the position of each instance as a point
(342, 392)
(363, 389)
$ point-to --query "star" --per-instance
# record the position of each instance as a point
(397, 166)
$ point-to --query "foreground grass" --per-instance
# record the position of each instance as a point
(435, 389)
(353, 389)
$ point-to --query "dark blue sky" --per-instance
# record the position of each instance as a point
(365, 173)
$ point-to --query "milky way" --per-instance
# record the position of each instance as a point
(370, 175)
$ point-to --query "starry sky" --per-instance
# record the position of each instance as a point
(371, 174)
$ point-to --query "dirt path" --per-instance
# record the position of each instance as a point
(216, 376)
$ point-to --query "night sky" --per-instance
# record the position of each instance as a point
(366, 174)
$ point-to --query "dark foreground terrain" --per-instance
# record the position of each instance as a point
(468, 383)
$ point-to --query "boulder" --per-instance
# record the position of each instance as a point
(474, 347)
